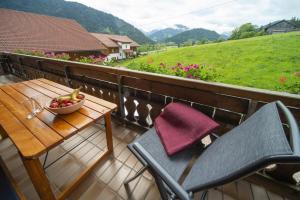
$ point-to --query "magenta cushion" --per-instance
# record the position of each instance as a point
(179, 126)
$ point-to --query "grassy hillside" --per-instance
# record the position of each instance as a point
(269, 62)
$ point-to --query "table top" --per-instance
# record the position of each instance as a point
(35, 136)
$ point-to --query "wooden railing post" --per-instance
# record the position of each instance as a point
(66, 70)
(39, 66)
(121, 98)
(22, 68)
(2, 62)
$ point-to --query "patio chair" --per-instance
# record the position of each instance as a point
(256, 143)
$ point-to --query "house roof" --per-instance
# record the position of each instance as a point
(276, 22)
(111, 40)
(29, 31)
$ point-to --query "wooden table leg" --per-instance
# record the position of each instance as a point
(3, 133)
(38, 178)
(108, 130)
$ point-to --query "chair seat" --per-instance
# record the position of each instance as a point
(259, 138)
(174, 165)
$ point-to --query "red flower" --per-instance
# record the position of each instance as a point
(282, 80)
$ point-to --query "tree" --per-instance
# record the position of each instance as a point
(295, 21)
(245, 31)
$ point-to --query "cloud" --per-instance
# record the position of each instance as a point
(218, 15)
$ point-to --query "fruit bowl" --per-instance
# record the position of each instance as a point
(67, 103)
(67, 109)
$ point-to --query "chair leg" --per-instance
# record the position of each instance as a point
(161, 187)
(137, 175)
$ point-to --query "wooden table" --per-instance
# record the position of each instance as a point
(36, 136)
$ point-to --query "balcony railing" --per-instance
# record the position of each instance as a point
(140, 97)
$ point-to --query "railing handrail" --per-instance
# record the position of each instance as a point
(215, 87)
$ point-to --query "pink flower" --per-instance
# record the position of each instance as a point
(187, 68)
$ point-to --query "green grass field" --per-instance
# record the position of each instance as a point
(259, 62)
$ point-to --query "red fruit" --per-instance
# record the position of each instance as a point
(54, 105)
(80, 96)
(69, 104)
(66, 101)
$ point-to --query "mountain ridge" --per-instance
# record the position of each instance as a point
(160, 35)
(195, 34)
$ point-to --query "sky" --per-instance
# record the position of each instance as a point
(219, 15)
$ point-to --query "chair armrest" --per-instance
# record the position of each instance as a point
(161, 172)
(294, 129)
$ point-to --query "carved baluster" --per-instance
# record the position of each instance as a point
(142, 108)
(97, 92)
(105, 94)
(89, 89)
(129, 103)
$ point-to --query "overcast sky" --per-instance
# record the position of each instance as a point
(218, 15)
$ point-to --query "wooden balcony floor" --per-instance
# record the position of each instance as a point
(106, 181)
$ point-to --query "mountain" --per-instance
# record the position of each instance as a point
(225, 35)
(91, 19)
(196, 34)
(163, 34)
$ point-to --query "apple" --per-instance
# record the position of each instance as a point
(69, 104)
(66, 101)
(54, 105)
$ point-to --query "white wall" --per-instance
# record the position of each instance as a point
(111, 56)
(121, 54)
(125, 46)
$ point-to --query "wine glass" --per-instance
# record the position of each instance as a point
(34, 105)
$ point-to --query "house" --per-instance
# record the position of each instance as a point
(29, 31)
(281, 26)
(118, 46)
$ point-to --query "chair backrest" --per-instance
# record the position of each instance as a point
(257, 142)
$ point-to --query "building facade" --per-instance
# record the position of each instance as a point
(281, 26)
(118, 46)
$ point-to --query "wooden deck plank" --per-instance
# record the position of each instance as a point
(214, 194)
(47, 136)
(22, 138)
(259, 193)
(89, 113)
(88, 103)
(75, 119)
(89, 97)
(273, 196)
(230, 189)
(62, 127)
(244, 190)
